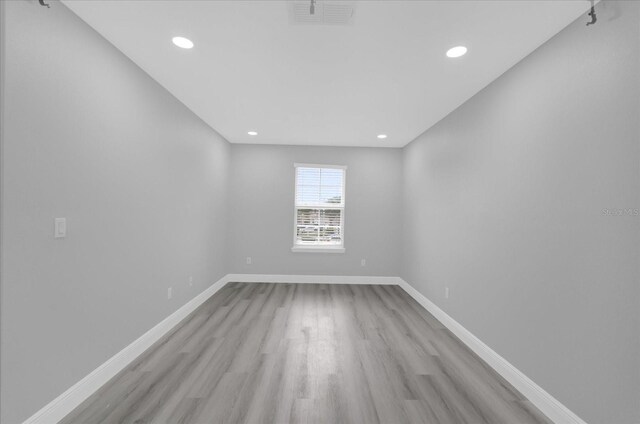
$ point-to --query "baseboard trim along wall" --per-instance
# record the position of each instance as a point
(550, 406)
(311, 279)
(75, 395)
(61, 406)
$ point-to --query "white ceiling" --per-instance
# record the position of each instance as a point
(340, 85)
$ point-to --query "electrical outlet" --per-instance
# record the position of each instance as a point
(446, 292)
(169, 292)
(60, 228)
(191, 280)
(363, 262)
(248, 260)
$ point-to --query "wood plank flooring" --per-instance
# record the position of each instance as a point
(308, 353)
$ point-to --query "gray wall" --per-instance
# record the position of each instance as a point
(262, 183)
(503, 204)
(142, 182)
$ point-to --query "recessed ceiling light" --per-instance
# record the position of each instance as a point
(457, 51)
(252, 133)
(183, 43)
(381, 136)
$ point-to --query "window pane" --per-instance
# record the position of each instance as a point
(307, 234)
(309, 176)
(330, 217)
(308, 217)
(308, 194)
(331, 194)
(330, 235)
(332, 177)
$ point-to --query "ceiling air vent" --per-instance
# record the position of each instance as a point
(326, 12)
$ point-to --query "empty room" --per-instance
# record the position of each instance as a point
(320, 211)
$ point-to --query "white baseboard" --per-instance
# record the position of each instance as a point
(312, 279)
(61, 406)
(74, 396)
(551, 407)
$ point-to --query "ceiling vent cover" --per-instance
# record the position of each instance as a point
(327, 12)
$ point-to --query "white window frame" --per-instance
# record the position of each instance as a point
(317, 248)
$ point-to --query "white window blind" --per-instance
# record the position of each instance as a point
(319, 206)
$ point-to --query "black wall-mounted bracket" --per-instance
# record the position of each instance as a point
(42, 3)
(592, 13)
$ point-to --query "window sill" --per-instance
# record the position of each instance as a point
(318, 249)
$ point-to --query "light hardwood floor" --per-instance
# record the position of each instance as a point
(308, 353)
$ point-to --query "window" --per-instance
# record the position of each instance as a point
(319, 208)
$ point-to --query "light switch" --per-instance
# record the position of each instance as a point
(60, 228)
